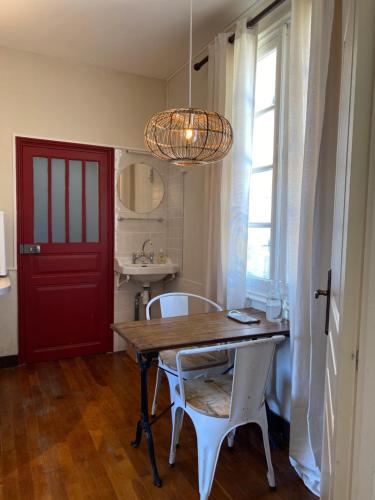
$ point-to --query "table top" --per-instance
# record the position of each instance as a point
(161, 334)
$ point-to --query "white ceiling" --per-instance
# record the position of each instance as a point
(146, 37)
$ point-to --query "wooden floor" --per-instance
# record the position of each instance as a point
(65, 429)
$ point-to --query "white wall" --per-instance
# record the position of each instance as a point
(49, 98)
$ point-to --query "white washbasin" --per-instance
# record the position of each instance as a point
(144, 273)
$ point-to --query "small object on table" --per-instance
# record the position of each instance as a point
(242, 317)
(274, 310)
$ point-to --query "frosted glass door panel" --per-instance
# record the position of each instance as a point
(75, 201)
(40, 192)
(58, 200)
(92, 202)
(66, 200)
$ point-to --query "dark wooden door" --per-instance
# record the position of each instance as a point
(65, 249)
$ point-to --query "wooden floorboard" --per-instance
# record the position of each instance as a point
(65, 429)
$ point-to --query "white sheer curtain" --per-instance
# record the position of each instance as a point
(236, 177)
(309, 230)
(220, 79)
(231, 91)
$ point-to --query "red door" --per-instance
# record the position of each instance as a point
(65, 249)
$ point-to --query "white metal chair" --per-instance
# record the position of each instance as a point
(177, 304)
(218, 405)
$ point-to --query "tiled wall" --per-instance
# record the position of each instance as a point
(130, 234)
(175, 214)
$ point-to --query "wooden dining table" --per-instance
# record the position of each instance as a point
(145, 339)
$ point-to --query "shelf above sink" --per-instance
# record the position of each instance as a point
(143, 273)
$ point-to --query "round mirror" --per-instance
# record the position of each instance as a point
(140, 188)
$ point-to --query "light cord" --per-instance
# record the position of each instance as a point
(190, 49)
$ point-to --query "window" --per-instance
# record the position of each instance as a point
(264, 240)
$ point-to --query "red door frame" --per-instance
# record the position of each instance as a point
(20, 143)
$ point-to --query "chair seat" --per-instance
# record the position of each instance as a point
(210, 396)
(200, 362)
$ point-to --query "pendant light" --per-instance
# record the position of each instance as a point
(189, 136)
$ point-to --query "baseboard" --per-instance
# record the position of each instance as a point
(8, 361)
(279, 430)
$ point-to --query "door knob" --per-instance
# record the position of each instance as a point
(325, 293)
(320, 292)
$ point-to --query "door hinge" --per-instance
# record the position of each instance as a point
(356, 359)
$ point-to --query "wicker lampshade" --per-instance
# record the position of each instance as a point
(188, 136)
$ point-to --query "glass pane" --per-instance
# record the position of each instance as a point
(265, 81)
(58, 200)
(260, 200)
(75, 201)
(258, 252)
(40, 191)
(92, 202)
(263, 139)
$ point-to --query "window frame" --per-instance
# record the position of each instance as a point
(275, 37)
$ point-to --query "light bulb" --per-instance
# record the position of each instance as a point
(188, 134)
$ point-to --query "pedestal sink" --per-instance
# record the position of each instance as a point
(143, 273)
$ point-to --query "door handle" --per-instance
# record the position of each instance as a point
(29, 249)
(326, 293)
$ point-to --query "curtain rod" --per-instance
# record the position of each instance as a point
(250, 24)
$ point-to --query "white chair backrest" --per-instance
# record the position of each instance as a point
(177, 304)
(251, 369)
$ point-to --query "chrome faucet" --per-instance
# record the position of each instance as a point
(144, 245)
(142, 256)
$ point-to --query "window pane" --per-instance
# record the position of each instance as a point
(58, 200)
(75, 201)
(258, 252)
(263, 139)
(265, 81)
(260, 200)
(40, 191)
(92, 202)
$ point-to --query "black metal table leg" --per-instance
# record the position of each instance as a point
(138, 435)
(144, 423)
